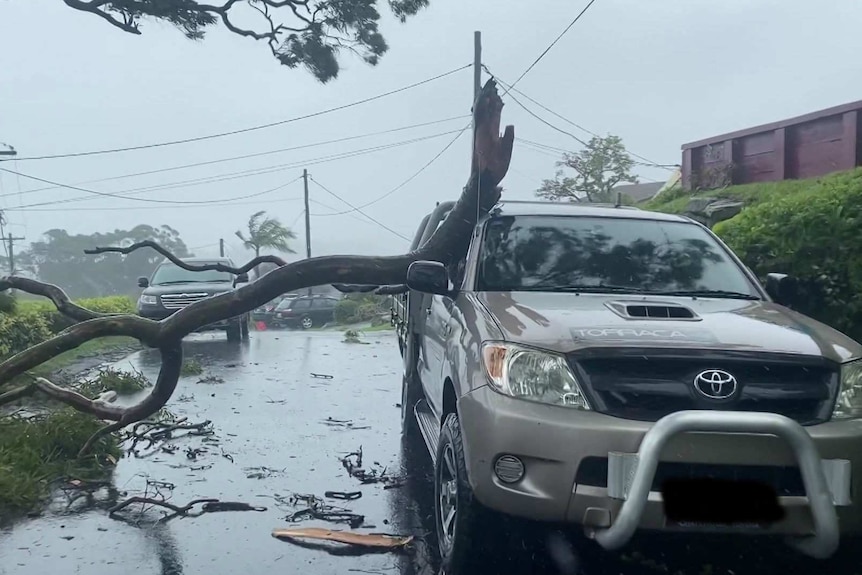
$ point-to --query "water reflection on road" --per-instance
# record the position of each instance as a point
(271, 412)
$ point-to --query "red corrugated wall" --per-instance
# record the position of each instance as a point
(812, 145)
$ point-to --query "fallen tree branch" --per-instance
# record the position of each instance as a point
(265, 259)
(57, 296)
(491, 157)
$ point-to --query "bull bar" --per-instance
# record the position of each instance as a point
(630, 476)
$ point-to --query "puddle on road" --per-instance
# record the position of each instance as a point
(278, 430)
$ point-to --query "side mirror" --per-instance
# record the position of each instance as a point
(143, 282)
(781, 288)
(241, 279)
(428, 277)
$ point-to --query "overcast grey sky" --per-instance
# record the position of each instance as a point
(658, 73)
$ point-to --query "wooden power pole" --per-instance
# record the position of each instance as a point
(307, 219)
(11, 241)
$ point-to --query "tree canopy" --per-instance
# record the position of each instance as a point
(598, 168)
(59, 259)
(304, 33)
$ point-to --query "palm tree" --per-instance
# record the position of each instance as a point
(264, 232)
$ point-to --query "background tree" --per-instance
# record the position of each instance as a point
(598, 168)
(265, 232)
(298, 32)
(60, 259)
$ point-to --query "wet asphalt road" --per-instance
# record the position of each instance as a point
(276, 433)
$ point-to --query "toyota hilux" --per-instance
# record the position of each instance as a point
(623, 370)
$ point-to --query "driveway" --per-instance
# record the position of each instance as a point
(285, 408)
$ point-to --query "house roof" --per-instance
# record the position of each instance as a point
(640, 192)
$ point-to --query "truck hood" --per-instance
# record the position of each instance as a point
(566, 322)
(213, 288)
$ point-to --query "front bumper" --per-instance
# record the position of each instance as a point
(159, 313)
(560, 446)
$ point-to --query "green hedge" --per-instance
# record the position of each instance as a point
(355, 308)
(21, 330)
(34, 321)
(813, 235)
(809, 229)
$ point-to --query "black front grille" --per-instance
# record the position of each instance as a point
(649, 384)
(786, 481)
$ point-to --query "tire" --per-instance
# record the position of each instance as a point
(411, 393)
(472, 526)
(244, 328)
(306, 322)
(234, 332)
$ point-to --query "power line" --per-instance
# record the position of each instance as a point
(174, 207)
(252, 128)
(379, 223)
(148, 200)
(647, 161)
(223, 177)
(243, 157)
(557, 39)
(408, 180)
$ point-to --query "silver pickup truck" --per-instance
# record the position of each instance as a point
(619, 369)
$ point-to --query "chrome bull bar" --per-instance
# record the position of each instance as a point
(631, 477)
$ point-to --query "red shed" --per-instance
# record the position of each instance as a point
(803, 147)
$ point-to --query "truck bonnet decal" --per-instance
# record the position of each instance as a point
(683, 335)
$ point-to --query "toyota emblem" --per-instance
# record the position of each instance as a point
(715, 384)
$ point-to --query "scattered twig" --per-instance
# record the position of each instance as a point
(352, 462)
(321, 376)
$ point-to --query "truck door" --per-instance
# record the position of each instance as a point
(436, 325)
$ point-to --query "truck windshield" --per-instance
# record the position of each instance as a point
(565, 253)
(173, 274)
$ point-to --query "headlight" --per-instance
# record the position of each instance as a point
(148, 300)
(849, 404)
(532, 375)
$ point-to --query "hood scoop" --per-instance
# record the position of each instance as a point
(652, 310)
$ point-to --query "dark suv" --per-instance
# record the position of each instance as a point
(305, 312)
(172, 288)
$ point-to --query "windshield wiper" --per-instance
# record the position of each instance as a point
(175, 282)
(717, 293)
(583, 289)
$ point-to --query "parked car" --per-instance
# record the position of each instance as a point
(171, 288)
(305, 312)
(266, 312)
(619, 369)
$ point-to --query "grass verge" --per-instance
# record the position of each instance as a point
(38, 451)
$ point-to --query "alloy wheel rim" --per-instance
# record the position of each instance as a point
(447, 499)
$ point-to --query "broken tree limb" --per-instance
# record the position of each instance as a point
(57, 296)
(491, 156)
(126, 250)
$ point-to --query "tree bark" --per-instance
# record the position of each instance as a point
(491, 157)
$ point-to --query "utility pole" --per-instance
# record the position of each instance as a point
(307, 219)
(477, 63)
(221, 247)
(11, 240)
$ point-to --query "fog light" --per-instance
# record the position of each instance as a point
(509, 469)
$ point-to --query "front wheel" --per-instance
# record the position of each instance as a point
(462, 522)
